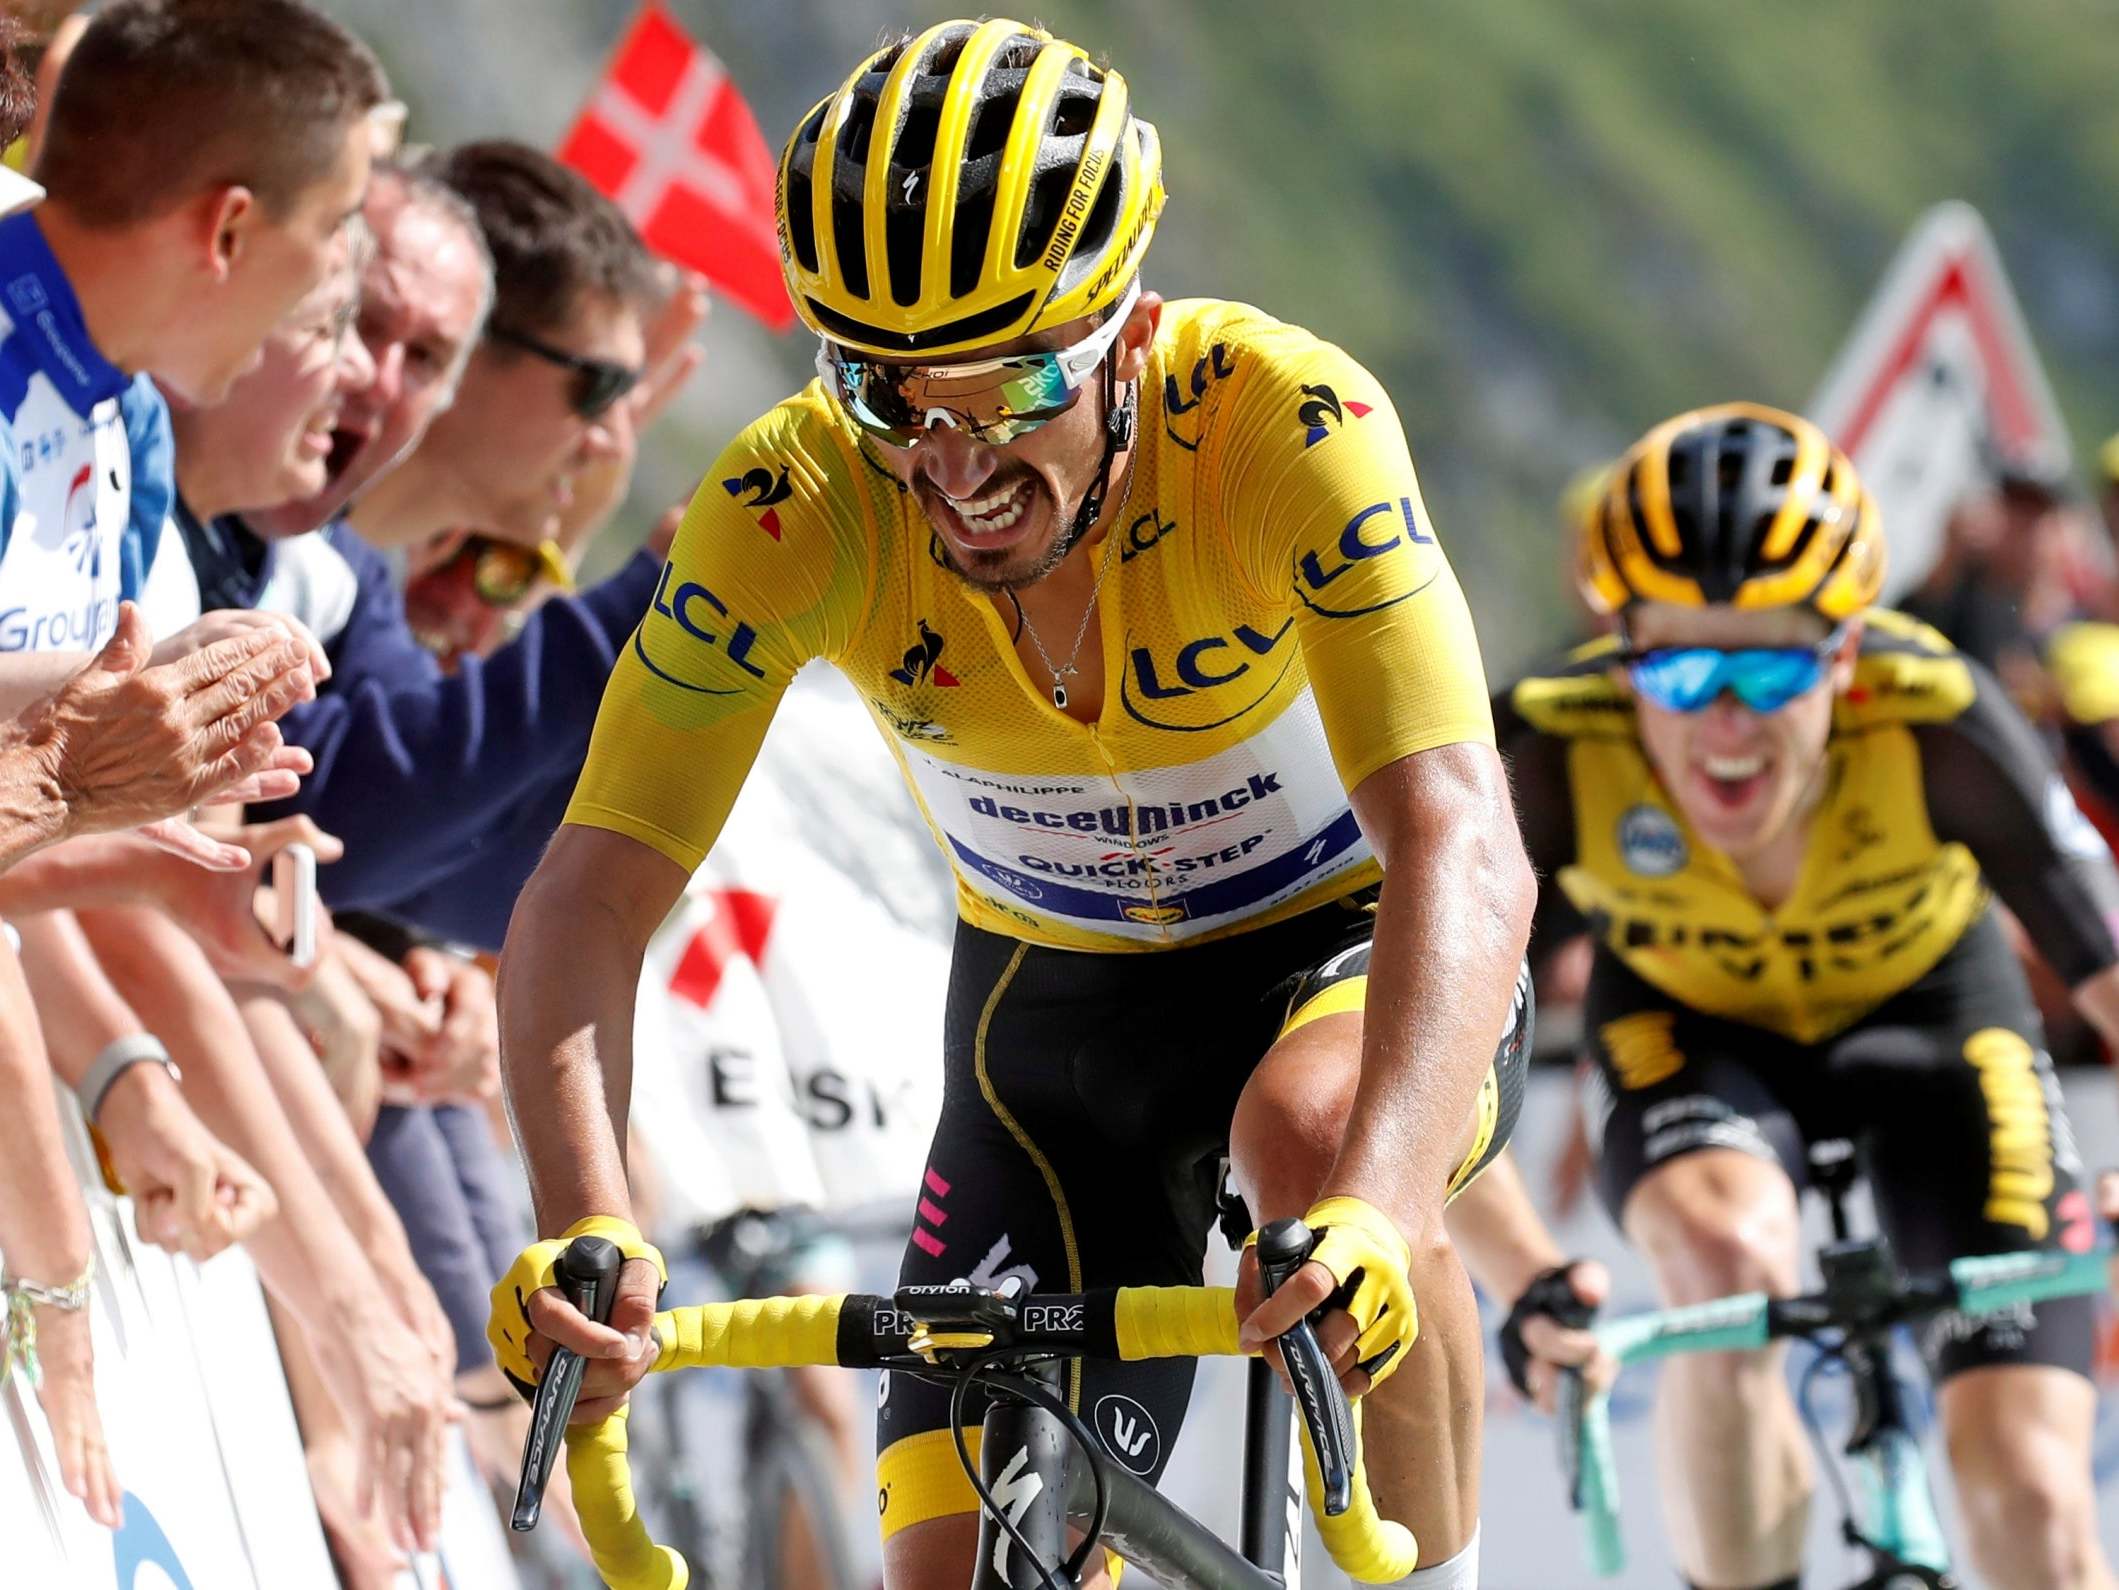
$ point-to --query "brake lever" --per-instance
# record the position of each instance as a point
(1283, 1248)
(587, 1273)
(1574, 1394)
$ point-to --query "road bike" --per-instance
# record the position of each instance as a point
(1050, 1495)
(1887, 1511)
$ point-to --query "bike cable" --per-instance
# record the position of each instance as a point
(981, 1369)
(1831, 1360)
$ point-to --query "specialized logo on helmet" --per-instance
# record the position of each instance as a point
(1216, 365)
(1321, 410)
(766, 491)
(921, 662)
(1649, 842)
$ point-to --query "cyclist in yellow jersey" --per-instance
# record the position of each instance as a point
(1145, 600)
(1778, 812)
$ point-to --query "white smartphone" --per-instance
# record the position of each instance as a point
(294, 903)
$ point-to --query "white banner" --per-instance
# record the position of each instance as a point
(788, 1038)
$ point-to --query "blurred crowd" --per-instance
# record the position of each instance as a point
(303, 430)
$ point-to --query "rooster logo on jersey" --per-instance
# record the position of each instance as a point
(764, 491)
(1321, 409)
(922, 662)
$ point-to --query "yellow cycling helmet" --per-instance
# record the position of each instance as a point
(1738, 504)
(972, 184)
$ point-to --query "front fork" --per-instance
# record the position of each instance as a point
(1894, 1514)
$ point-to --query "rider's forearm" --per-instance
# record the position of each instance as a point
(1497, 1231)
(567, 987)
(1450, 932)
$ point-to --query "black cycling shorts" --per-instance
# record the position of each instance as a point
(1085, 1110)
(1945, 1089)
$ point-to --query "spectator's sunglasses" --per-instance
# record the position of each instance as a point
(599, 383)
(503, 573)
(1763, 678)
(992, 400)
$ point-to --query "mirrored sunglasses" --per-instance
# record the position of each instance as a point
(993, 400)
(1764, 678)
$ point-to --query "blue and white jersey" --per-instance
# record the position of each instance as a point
(86, 462)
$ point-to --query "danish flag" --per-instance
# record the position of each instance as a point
(671, 141)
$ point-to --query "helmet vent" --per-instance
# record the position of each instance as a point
(967, 243)
(801, 228)
(1783, 467)
(947, 52)
(852, 247)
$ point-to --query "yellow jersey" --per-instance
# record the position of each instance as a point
(1933, 783)
(1282, 623)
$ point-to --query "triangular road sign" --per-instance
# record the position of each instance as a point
(1937, 384)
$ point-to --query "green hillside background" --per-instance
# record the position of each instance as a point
(1544, 223)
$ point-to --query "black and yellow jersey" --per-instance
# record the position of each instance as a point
(1281, 624)
(1934, 785)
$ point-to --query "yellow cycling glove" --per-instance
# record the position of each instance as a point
(1358, 1239)
(508, 1328)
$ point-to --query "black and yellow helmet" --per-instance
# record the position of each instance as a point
(1738, 504)
(971, 184)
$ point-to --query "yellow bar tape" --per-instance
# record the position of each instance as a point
(757, 1333)
(1176, 1322)
(1367, 1546)
(625, 1555)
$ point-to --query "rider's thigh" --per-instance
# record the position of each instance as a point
(1292, 1116)
(2019, 1438)
(937, 1555)
(1716, 1221)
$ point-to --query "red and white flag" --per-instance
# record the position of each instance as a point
(671, 141)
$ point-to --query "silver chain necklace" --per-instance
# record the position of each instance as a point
(1061, 671)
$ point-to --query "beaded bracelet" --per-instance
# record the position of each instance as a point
(23, 1299)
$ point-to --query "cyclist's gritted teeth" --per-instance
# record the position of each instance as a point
(997, 516)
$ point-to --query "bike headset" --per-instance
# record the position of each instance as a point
(1737, 505)
(968, 185)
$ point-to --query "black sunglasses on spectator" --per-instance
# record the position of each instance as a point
(601, 383)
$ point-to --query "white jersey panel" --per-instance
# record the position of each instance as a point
(1154, 854)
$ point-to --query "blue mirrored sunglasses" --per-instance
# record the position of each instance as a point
(1765, 678)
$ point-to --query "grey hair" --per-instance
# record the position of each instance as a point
(417, 171)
